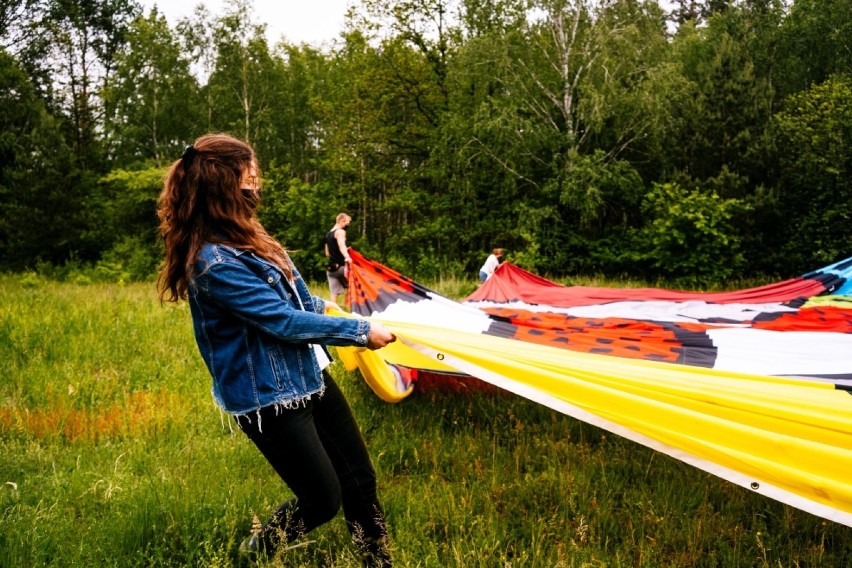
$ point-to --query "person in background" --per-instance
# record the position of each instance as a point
(491, 264)
(262, 336)
(337, 270)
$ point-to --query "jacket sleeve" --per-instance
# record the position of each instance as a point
(233, 286)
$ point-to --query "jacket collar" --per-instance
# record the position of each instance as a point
(237, 252)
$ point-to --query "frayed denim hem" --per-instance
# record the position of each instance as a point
(281, 405)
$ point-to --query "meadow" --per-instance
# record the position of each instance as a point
(114, 454)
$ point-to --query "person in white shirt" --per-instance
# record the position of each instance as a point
(491, 264)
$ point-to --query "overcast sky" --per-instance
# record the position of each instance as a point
(299, 21)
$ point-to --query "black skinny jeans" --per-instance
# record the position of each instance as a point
(320, 454)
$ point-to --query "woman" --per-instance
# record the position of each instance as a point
(491, 264)
(261, 334)
(337, 271)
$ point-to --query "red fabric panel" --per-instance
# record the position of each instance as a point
(511, 283)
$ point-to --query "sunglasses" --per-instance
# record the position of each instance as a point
(252, 191)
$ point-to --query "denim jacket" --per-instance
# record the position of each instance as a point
(254, 334)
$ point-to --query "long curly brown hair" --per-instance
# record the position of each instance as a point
(202, 202)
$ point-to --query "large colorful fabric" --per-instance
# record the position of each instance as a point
(789, 438)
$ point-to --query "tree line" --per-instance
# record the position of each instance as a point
(695, 141)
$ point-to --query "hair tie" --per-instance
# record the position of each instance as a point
(188, 155)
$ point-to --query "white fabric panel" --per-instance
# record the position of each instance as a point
(766, 352)
(439, 312)
(654, 310)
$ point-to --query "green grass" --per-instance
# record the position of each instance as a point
(115, 455)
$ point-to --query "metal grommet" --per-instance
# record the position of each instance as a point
(755, 485)
(440, 356)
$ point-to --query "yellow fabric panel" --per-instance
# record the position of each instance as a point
(376, 372)
(399, 353)
(792, 434)
(837, 301)
(347, 357)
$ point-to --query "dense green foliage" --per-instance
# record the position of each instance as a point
(583, 136)
(115, 455)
